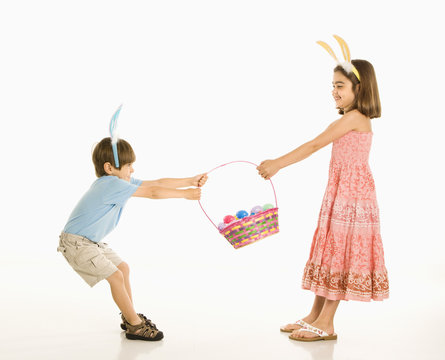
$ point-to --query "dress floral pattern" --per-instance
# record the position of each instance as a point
(346, 260)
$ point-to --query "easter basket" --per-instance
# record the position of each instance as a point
(246, 229)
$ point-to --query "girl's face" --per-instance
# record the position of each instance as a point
(342, 91)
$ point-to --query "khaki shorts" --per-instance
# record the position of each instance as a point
(92, 261)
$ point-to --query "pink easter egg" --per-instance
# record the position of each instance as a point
(229, 218)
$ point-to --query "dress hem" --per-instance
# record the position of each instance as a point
(346, 297)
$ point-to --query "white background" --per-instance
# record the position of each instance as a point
(204, 83)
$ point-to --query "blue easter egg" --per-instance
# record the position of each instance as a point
(242, 214)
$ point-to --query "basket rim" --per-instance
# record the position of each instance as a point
(246, 219)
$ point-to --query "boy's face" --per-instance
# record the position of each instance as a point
(124, 173)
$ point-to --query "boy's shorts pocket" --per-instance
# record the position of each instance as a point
(85, 254)
(100, 261)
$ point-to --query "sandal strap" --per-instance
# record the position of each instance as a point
(301, 323)
(147, 330)
(142, 317)
(314, 330)
(143, 329)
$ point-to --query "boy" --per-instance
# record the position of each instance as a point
(98, 213)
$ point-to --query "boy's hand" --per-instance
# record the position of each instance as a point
(199, 180)
(193, 194)
(268, 168)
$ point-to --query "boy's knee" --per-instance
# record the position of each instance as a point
(116, 277)
(123, 266)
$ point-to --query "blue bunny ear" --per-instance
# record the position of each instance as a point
(113, 123)
(113, 135)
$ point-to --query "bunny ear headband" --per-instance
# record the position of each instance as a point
(113, 134)
(347, 65)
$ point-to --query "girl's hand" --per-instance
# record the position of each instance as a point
(199, 180)
(193, 194)
(268, 168)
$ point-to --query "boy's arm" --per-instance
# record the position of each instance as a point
(175, 183)
(158, 192)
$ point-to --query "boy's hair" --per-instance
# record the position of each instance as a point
(103, 153)
(367, 99)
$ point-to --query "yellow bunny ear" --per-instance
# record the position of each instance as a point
(344, 48)
(328, 49)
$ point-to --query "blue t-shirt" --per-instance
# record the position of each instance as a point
(99, 210)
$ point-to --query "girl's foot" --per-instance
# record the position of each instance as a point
(298, 324)
(300, 333)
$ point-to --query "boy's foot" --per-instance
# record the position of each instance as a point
(146, 331)
(125, 322)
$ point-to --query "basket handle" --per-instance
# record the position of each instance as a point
(236, 161)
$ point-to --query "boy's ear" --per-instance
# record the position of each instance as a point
(108, 168)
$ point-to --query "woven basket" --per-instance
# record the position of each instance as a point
(251, 228)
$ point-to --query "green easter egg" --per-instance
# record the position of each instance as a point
(267, 207)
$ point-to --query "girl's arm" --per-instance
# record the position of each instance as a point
(175, 183)
(159, 192)
(337, 129)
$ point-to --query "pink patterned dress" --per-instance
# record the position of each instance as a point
(346, 259)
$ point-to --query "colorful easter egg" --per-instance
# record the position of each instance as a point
(228, 219)
(242, 214)
(256, 209)
(221, 226)
(267, 207)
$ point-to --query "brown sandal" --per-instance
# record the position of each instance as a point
(125, 322)
(143, 331)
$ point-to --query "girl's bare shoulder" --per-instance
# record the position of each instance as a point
(361, 122)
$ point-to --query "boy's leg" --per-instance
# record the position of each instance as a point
(125, 269)
(137, 329)
(122, 298)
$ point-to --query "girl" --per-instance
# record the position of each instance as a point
(346, 258)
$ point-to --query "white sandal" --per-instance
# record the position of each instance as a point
(298, 322)
(322, 335)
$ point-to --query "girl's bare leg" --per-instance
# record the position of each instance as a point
(325, 320)
(313, 315)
